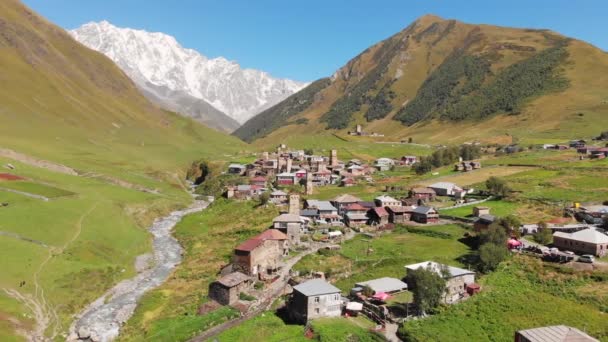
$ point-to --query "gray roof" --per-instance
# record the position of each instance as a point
(453, 271)
(556, 333)
(233, 279)
(443, 185)
(316, 287)
(309, 212)
(423, 210)
(487, 218)
(385, 284)
(236, 166)
(278, 193)
(589, 235)
(288, 218)
(321, 205)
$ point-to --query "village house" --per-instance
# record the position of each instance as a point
(378, 216)
(347, 182)
(459, 282)
(322, 178)
(577, 143)
(400, 214)
(425, 194)
(483, 222)
(236, 169)
(244, 191)
(386, 201)
(384, 164)
(355, 215)
(560, 333)
(425, 214)
(258, 181)
(383, 285)
(278, 197)
(291, 225)
(315, 299)
(408, 160)
(587, 241)
(327, 212)
(479, 211)
(227, 289)
(311, 214)
(286, 179)
(445, 188)
(343, 201)
(260, 256)
(356, 170)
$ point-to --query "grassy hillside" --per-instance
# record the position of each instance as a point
(439, 78)
(124, 161)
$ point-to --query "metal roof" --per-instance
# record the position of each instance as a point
(453, 271)
(556, 333)
(321, 205)
(287, 218)
(346, 198)
(385, 284)
(443, 185)
(316, 287)
(589, 235)
(423, 210)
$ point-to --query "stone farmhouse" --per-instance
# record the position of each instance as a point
(260, 256)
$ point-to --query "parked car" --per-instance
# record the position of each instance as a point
(586, 258)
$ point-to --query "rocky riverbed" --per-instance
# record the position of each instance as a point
(102, 319)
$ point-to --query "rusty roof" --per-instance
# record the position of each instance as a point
(256, 241)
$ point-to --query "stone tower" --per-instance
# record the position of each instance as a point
(309, 182)
(333, 158)
(265, 156)
(294, 204)
(288, 166)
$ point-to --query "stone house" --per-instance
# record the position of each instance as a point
(384, 164)
(479, 211)
(343, 201)
(314, 299)
(426, 194)
(408, 160)
(290, 225)
(355, 215)
(227, 289)
(425, 215)
(260, 256)
(483, 222)
(587, 241)
(386, 201)
(457, 279)
(378, 216)
(400, 214)
(278, 197)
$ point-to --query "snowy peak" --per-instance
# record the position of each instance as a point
(158, 59)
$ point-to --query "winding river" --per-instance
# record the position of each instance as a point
(102, 319)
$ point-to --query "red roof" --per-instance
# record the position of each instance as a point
(10, 177)
(348, 181)
(381, 211)
(356, 206)
(256, 241)
(258, 179)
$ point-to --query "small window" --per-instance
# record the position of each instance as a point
(317, 310)
(316, 299)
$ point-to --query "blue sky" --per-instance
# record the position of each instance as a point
(309, 39)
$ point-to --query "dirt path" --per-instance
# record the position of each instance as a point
(274, 291)
(45, 315)
(27, 194)
(29, 160)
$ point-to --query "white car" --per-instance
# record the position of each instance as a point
(586, 258)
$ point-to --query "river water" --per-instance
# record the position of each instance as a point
(102, 319)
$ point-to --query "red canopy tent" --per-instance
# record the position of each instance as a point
(383, 296)
(512, 243)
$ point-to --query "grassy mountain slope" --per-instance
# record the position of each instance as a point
(62, 103)
(442, 80)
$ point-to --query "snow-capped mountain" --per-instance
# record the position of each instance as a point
(157, 60)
